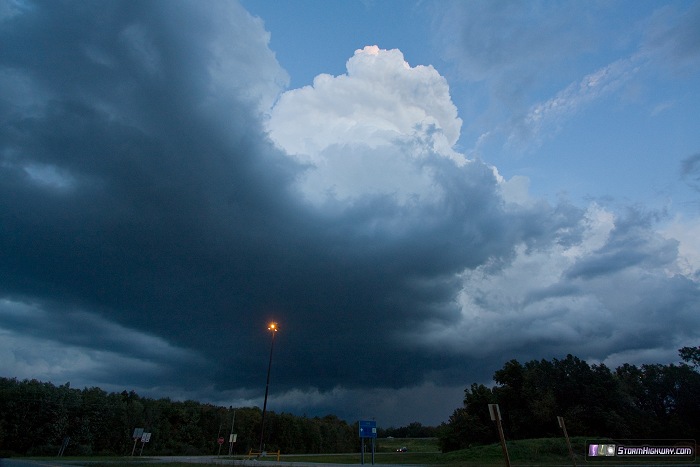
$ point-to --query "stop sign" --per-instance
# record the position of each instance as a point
(220, 440)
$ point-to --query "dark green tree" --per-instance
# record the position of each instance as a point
(35, 417)
(690, 355)
(470, 424)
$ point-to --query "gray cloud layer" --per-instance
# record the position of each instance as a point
(149, 229)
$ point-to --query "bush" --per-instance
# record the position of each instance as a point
(43, 450)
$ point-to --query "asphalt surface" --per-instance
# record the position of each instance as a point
(15, 462)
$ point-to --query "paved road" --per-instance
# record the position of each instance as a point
(14, 462)
(28, 463)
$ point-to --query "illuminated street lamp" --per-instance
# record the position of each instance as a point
(272, 328)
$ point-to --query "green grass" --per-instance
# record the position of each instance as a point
(531, 452)
(413, 444)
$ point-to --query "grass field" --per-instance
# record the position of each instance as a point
(426, 452)
(421, 451)
(413, 444)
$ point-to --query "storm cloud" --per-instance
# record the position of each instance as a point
(163, 196)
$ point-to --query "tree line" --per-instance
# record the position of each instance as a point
(651, 401)
(412, 430)
(36, 417)
(647, 402)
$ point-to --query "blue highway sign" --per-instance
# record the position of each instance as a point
(368, 429)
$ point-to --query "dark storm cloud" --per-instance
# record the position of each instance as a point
(632, 243)
(148, 223)
(136, 184)
(122, 191)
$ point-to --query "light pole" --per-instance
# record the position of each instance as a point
(272, 328)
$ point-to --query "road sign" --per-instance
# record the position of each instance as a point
(220, 440)
(368, 429)
(145, 438)
(495, 412)
(137, 433)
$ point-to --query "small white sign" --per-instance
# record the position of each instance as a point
(495, 412)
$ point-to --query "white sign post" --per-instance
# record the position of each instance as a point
(231, 440)
(232, 437)
(146, 437)
(138, 432)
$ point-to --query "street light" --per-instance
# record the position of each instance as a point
(272, 328)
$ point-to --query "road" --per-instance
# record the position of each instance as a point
(14, 462)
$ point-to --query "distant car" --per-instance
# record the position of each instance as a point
(402, 449)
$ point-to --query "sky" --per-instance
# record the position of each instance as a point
(416, 192)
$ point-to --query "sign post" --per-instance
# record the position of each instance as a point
(562, 425)
(232, 436)
(495, 413)
(138, 432)
(220, 440)
(64, 445)
(146, 437)
(368, 429)
(231, 439)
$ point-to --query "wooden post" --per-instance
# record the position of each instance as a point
(562, 425)
(495, 413)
